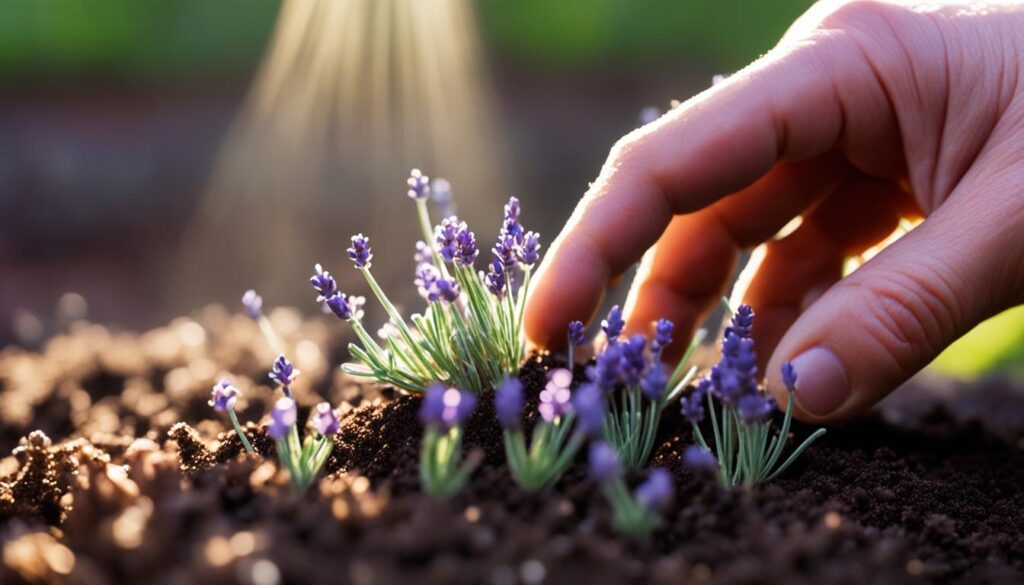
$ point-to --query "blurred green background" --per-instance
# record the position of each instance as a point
(111, 111)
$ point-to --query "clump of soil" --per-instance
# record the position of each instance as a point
(139, 480)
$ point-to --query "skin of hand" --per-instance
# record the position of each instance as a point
(864, 113)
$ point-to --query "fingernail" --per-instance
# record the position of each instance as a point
(822, 385)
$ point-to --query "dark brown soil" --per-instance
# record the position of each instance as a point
(134, 479)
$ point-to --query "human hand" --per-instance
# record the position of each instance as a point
(864, 113)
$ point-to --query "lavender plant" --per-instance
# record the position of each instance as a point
(636, 513)
(224, 396)
(470, 335)
(253, 304)
(636, 385)
(555, 439)
(746, 449)
(442, 412)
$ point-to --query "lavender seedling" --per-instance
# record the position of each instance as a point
(555, 439)
(253, 304)
(746, 449)
(636, 385)
(636, 513)
(304, 459)
(442, 412)
(224, 396)
(471, 333)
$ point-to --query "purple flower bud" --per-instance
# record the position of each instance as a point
(446, 407)
(755, 408)
(607, 369)
(512, 209)
(529, 252)
(603, 462)
(283, 372)
(576, 333)
(444, 289)
(360, 252)
(654, 381)
(282, 418)
(345, 306)
(508, 403)
(742, 322)
(468, 251)
(588, 402)
(656, 492)
(633, 359)
(612, 326)
(253, 304)
(495, 278)
(224, 396)
(445, 235)
(505, 251)
(662, 336)
(419, 185)
(426, 276)
(442, 195)
(700, 459)
(423, 254)
(555, 397)
(324, 283)
(325, 421)
(693, 405)
(789, 376)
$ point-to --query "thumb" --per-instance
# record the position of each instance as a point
(879, 326)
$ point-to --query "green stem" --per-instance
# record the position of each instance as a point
(241, 434)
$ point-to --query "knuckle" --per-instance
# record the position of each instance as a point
(912, 317)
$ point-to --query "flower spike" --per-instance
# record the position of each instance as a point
(360, 252)
(419, 185)
(253, 304)
(324, 283)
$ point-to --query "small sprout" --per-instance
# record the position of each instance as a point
(555, 439)
(635, 514)
(303, 459)
(442, 412)
(748, 452)
(223, 398)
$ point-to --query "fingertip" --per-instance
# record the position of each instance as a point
(568, 287)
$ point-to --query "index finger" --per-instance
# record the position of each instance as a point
(784, 106)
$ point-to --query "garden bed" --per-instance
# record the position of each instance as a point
(114, 490)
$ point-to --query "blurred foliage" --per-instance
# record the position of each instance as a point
(149, 39)
(725, 34)
(996, 344)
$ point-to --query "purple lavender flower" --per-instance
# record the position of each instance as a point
(662, 337)
(555, 397)
(789, 376)
(508, 403)
(468, 251)
(445, 289)
(282, 418)
(495, 278)
(654, 381)
(324, 283)
(588, 403)
(360, 252)
(512, 209)
(693, 405)
(607, 369)
(633, 359)
(223, 396)
(283, 372)
(446, 407)
(510, 224)
(700, 459)
(755, 408)
(423, 254)
(419, 185)
(612, 326)
(742, 322)
(426, 276)
(325, 421)
(441, 191)
(253, 304)
(529, 252)
(577, 331)
(603, 462)
(445, 235)
(505, 250)
(656, 492)
(345, 306)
